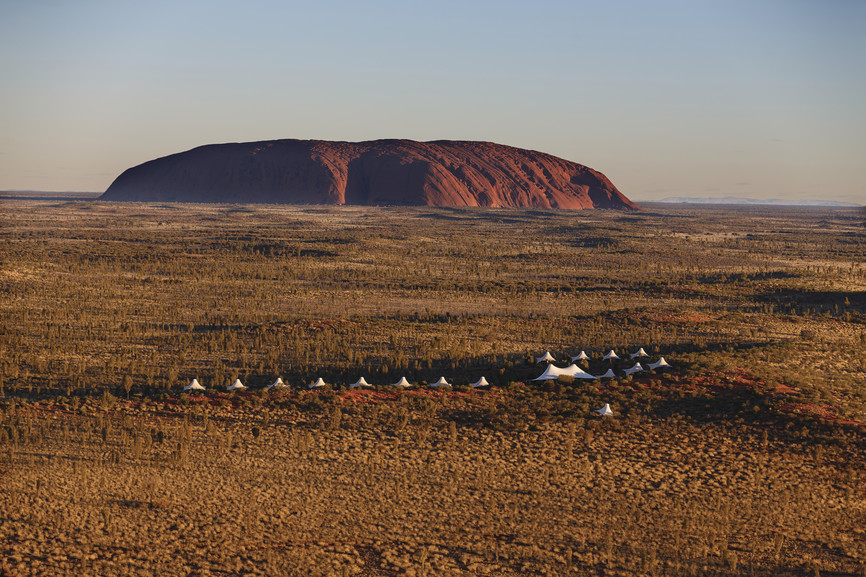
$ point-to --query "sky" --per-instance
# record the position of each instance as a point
(757, 99)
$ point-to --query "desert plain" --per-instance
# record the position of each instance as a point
(745, 457)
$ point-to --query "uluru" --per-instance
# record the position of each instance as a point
(378, 172)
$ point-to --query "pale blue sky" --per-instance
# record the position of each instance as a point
(758, 98)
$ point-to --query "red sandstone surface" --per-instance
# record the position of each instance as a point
(380, 172)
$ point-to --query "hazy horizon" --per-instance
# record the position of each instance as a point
(670, 99)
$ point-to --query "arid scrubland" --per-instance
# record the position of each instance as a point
(745, 459)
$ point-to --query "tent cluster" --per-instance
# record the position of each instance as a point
(552, 372)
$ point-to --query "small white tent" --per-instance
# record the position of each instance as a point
(402, 383)
(318, 383)
(278, 384)
(605, 411)
(660, 364)
(235, 385)
(611, 356)
(608, 375)
(362, 382)
(545, 357)
(639, 354)
(441, 383)
(637, 368)
(482, 382)
(193, 386)
(581, 357)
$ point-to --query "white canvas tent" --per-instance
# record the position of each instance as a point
(581, 357)
(605, 411)
(278, 384)
(402, 383)
(550, 373)
(553, 372)
(318, 383)
(545, 357)
(639, 354)
(637, 368)
(661, 363)
(362, 382)
(611, 355)
(235, 385)
(482, 382)
(193, 385)
(441, 383)
(576, 372)
(608, 375)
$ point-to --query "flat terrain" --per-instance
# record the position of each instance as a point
(746, 457)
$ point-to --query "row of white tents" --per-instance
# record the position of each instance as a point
(403, 383)
(194, 385)
(582, 356)
(551, 373)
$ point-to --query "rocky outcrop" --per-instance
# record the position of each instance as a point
(380, 172)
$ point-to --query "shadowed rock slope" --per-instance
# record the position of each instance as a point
(380, 172)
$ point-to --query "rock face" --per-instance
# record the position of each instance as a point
(380, 172)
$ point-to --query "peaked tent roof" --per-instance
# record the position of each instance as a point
(605, 411)
(611, 355)
(235, 385)
(637, 368)
(573, 370)
(550, 373)
(278, 383)
(362, 382)
(402, 383)
(441, 383)
(608, 375)
(482, 382)
(581, 357)
(640, 353)
(659, 364)
(545, 357)
(193, 385)
(316, 384)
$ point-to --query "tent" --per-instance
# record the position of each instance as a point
(637, 368)
(639, 354)
(611, 355)
(482, 382)
(317, 384)
(278, 383)
(550, 373)
(235, 385)
(605, 411)
(545, 357)
(581, 357)
(573, 370)
(441, 383)
(402, 383)
(608, 375)
(193, 386)
(660, 364)
(362, 382)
